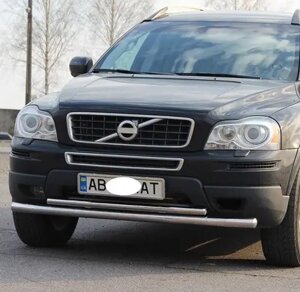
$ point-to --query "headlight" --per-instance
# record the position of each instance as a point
(255, 133)
(35, 124)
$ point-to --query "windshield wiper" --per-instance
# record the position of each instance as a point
(218, 75)
(113, 71)
(123, 71)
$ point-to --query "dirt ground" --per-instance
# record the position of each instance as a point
(4, 166)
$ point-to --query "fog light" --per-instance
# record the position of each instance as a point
(38, 191)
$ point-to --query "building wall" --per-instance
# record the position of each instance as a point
(7, 120)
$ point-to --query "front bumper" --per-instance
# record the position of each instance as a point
(252, 196)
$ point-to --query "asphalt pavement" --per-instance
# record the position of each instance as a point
(124, 256)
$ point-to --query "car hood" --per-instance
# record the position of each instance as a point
(221, 97)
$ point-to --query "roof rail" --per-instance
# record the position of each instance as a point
(164, 11)
(158, 14)
(296, 17)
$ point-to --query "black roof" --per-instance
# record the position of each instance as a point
(232, 16)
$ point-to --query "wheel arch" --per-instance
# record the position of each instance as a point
(294, 172)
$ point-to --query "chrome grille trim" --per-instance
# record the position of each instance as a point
(152, 118)
(140, 126)
(134, 216)
(127, 207)
(69, 160)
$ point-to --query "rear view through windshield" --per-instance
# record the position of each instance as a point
(267, 51)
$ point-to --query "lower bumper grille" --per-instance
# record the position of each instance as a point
(124, 161)
(251, 165)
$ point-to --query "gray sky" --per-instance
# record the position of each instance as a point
(12, 77)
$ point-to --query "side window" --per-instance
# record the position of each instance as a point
(123, 56)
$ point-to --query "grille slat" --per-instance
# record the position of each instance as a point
(167, 132)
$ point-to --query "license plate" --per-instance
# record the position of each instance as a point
(95, 184)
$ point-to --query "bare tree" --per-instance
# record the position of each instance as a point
(238, 4)
(53, 33)
(111, 18)
(3, 43)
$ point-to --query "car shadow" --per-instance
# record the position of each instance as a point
(117, 251)
(162, 244)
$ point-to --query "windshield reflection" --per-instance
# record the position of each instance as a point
(269, 51)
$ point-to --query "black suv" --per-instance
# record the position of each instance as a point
(201, 109)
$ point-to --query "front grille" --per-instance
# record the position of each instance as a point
(124, 162)
(152, 131)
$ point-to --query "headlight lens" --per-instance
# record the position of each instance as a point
(35, 124)
(256, 133)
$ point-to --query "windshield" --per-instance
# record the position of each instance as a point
(267, 51)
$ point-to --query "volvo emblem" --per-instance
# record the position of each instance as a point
(128, 130)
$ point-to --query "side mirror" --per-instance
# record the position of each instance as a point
(80, 65)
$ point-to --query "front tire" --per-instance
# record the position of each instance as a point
(44, 231)
(281, 245)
